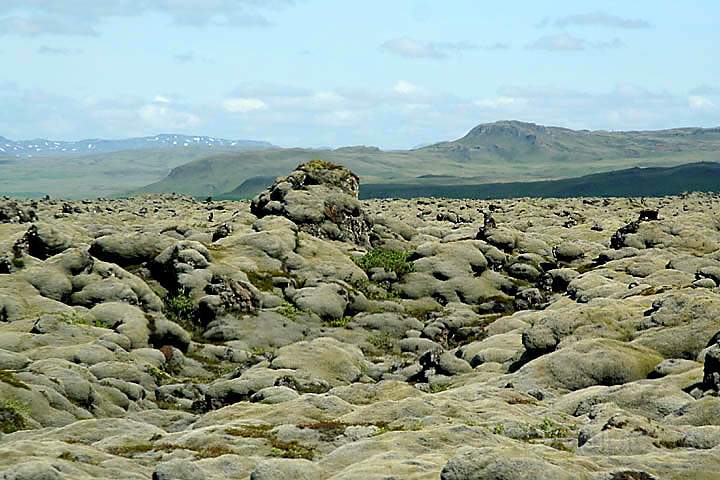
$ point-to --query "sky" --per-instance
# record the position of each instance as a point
(315, 73)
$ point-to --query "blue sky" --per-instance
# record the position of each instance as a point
(328, 73)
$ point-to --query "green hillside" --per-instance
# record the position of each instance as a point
(632, 182)
(88, 176)
(490, 153)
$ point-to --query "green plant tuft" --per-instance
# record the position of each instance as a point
(551, 429)
(390, 260)
(338, 322)
(381, 341)
(180, 308)
(289, 310)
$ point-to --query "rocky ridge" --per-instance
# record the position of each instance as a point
(311, 335)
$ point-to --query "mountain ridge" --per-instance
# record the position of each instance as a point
(45, 147)
(493, 152)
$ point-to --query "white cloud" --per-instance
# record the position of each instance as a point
(401, 114)
(81, 17)
(410, 48)
(403, 87)
(58, 51)
(35, 25)
(161, 99)
(500, 102)
(243, 105)
(698, 102)
(167, 119)
(567, 42)
(601, 19)
(339, 118)
(561, 41)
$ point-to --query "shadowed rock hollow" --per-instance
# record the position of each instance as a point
(308, 335)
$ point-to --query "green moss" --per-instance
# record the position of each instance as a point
(382, 341)
(68, 456)
(12, 416)
(263, 281)
(551, 429)
(289, 310)
(160, 376)
(77, 318)
(373, 291)
(290, 450)
(18, 262)
(180, 308)
(11, 379)
(137, 448)
(250, 431)
(390, 260)
(338, 322)
(437, 387)
(214, 451)
(318, 164)
(278, 448)
(498, 429)
(558, 445)
(163, 405)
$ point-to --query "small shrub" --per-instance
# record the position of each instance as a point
(180, 308)
(390, 260)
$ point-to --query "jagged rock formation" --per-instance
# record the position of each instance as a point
(321, 198)
(165, 338)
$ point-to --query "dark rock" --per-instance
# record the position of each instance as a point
(711, 377)
(322, 199)
(13, 212)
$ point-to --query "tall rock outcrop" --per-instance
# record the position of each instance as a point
(322, 199)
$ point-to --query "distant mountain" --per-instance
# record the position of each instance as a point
(495, 152)
(632, 182)
(527, 142)
(44, 147)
